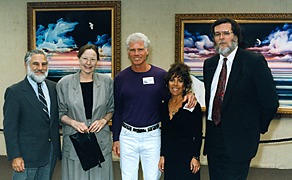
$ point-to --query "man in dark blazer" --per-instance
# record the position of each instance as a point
(248, 106)
(31, 128)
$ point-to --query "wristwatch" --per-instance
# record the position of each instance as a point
(197, 157)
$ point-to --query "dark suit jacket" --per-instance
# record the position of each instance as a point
(249, 104)
(27, 130)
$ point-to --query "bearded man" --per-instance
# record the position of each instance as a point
(31, 123)
(241, 101)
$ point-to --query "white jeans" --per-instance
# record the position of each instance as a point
(134, 146)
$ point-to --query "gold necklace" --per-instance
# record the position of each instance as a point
(173, 107)
(173, 113)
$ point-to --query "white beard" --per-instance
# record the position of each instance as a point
(225, 52)
(36, 78)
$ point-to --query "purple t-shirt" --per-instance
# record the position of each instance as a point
(138, 97)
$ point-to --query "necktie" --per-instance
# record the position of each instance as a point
(42, 99)
(218, 99)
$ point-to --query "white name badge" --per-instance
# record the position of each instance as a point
(148, 80)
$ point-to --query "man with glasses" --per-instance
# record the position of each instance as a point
(31, 121)
(241, 101)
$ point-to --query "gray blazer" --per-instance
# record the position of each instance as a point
(70, 103)
(27, 130)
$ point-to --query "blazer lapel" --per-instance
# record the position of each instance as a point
(31, 97)
(78, 95)
(52, 94)
(210, 70)
(96, 84)
(208, 76)
(234, 73)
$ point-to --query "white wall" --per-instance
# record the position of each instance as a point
(155, 18)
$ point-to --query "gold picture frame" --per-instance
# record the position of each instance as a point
(61, 28)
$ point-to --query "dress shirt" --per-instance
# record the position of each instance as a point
(215, 80)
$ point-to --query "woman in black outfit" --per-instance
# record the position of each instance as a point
(181, 132)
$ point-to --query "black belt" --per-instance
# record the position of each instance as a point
(140, 130)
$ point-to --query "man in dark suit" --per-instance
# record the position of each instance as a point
(31, 123)
(241, 101)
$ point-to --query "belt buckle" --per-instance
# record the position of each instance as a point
(139, 130)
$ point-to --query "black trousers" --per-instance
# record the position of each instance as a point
(221, 167)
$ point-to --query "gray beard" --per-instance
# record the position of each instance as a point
(36, 78)
(225, 52)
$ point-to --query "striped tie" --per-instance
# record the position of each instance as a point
(42, 99)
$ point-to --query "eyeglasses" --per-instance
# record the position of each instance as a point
(223, 33)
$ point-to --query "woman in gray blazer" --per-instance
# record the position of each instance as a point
(86, 104)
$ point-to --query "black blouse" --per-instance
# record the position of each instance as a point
(87, 93)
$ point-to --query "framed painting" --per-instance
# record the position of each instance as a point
(268, 34)
(61, 28)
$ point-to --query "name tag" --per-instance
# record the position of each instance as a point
(148, 80)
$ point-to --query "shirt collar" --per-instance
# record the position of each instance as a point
(32, 82)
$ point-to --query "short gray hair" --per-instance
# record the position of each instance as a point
(30, 53)
(137, 37)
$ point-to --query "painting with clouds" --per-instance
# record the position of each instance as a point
(273, 39)
(61, 32)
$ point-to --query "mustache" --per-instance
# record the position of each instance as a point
(224, 42)
(37, 71)
(220, 42)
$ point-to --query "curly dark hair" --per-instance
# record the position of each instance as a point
(180, 70)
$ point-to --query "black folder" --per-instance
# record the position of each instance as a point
(87, 149)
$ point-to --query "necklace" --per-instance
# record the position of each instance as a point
(173, 113)
(173, 106)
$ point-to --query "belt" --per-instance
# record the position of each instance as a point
(140, 130)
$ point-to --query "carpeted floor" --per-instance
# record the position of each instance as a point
(254, 174)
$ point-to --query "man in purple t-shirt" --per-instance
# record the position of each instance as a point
(138, 92)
